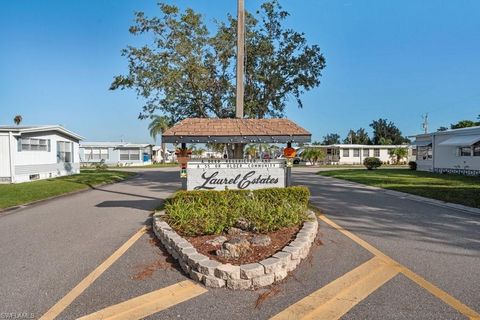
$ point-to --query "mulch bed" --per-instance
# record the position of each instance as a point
(280, 239)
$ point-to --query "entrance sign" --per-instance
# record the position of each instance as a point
(213, 174)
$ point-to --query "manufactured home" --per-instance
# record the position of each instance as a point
(37, 152)
(349, 154)
(451, 151)
(115, 153)
(157, 155)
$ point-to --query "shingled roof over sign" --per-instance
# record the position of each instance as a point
(229, 130)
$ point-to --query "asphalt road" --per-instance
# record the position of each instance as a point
(49, 248)
(440, 244)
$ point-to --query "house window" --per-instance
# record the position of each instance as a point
(424, 153)
(346, 152)
(134, 154)
(465, 151)
(366, 152)
(376, 153)
(31, 144)
(356, 153)
(64, 151)
(95, 154)
(414, 152)
(129, 154)
(476, 150)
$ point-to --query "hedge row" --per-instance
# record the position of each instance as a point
(212, 212)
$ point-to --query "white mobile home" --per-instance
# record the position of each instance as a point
(339, 154)
(37, 152)
(456, 151)
(115, 153)
(157, 155)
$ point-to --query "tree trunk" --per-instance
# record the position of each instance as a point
(238, 150)
(163, 152)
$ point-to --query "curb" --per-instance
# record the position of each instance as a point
(435, 202)
(249, 276)
(27, 205)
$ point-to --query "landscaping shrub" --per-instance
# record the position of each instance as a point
(101, 166)
(212, 212)
(412, 165)
(372, 163)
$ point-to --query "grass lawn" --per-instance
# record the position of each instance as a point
(446, 187)
(21, 193)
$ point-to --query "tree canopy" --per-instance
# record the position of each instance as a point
(331, 138)
(385, 132)
(357, 137)
(313, 155)
(189, 71)
(158, 126)
(464, 124)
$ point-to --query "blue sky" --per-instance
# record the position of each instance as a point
(389, 59)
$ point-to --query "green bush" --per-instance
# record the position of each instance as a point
(101, 166)
(412, 165)
(212, 212)
(372, 163)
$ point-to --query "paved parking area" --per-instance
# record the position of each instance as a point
(364, 241)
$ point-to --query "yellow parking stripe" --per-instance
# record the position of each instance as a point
(85, 283)
(430, 287)
(150, 303)
(340, 295)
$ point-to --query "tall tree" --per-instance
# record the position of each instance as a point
(18, 119)
(157, 127)
(385, 132)
(357, 137)
(331, 138)
(188, 71)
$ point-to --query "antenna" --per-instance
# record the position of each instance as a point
(425, 122)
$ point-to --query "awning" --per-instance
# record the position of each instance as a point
(426, 143)
(460, 141)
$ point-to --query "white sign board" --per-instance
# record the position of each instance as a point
(235, 174)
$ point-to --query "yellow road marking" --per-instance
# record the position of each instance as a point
(340, 295)
(430, 287)
(88, 280)
(150, 303)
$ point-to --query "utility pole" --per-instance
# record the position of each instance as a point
(240, 57)
(238, 147)
(425, 122)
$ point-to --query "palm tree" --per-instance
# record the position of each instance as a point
(17, 119)
(158, 126)
(251, 151)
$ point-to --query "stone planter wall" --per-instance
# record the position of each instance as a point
(250, 276)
